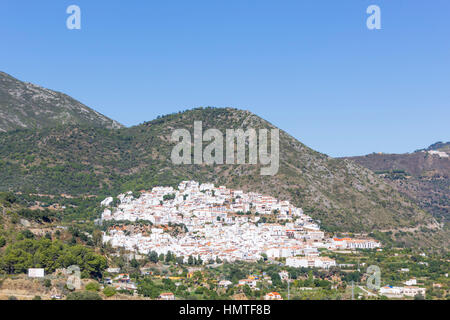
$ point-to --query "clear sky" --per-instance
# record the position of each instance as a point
(310, 67)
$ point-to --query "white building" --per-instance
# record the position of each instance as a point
(107, 202)
(310, 262)
(273, 296)
(36, 273)
(412, 291)
(410, 282)
(349, 243)
(399, 292)
(391, 292)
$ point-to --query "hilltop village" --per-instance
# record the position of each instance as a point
(220, 223)
(199, 241)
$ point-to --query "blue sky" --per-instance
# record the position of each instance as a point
(310, 67)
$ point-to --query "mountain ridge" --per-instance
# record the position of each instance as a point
(423, 175)
(438, 146)
(24, 105)
(81, 156)
(85, 160)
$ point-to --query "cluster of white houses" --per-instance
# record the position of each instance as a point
(400, 292)
(216, 226)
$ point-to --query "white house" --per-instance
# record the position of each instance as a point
(310, 262)
(412, 291)
(225, 283)
(167, 296)
(391, 292)
(36, 273)
(273, 296)
(410, 282)
(107, 202)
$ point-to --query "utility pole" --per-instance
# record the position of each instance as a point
(289, 291)
(353, 290)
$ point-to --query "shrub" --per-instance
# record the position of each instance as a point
(2, 241)
(83, 295)
(47, 283)
(109, 291)
(92, 286)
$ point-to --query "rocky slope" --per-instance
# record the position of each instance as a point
(25, 105)
(423, 176)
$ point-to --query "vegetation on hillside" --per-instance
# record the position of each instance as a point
(25, 105)
(420, 176)
(86, 161)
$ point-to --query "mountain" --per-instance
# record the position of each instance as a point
(80, 160)
(439, 146)
(25, 105)
(423, 176)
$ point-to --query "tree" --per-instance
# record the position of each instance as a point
(153, 256)
(198, 276)
(26, 234)
(50, 255)
(169, 257)
(353, 276)
(97, 237)
(247, 291)
(169, 197)
(2, 241)
(276, 279)
(148, 289)
(134, 263)
(9, 197)
(180, 260)
(47, 283)
(169, 285)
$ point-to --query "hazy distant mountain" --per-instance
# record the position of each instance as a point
(423, 175)
(84, 160)
(25, 105)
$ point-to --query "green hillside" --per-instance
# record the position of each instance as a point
(94, 161)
